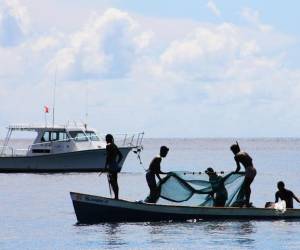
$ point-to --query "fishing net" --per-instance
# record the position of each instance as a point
(197, 189)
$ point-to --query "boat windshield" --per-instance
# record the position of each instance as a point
(78, 135)
(92, 135)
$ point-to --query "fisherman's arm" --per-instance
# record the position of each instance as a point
(238, 165)
(120, 156)
(276, 197)
(159, 171)
(106, 161)
(158, 176)
(226, 176)
(296, 198)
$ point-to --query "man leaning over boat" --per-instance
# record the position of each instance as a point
(219, 192)
(242, 157)
(154, 170)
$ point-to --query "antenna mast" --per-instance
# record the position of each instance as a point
(54, 90)
(86, 105)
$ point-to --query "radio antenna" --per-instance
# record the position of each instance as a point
(54, 94)
(86, 105)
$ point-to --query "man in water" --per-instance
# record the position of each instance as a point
(243, 158)
(219, 192)
(154, 170)
(285, 195)
(113, 159)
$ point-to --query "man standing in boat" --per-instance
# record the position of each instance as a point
(241, 157)
(113, 159)
(285, 195)
(154, 170)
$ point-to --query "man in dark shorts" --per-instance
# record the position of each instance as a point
(113, 159)
(285, 195)
(219, 192)
(244, 158)
(154, 170)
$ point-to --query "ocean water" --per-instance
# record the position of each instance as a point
(36, 211)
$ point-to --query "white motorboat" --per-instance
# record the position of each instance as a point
(62, 149)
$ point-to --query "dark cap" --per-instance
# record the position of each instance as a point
(109, 138)
(164, 148)
(235, 147)
(210, 171)
(280, 184)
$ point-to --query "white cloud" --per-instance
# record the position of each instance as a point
(213, 8)
(14, 23)
(44, 43)
(253, 17)
(105, 47)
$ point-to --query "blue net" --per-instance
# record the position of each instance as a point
(199, 189)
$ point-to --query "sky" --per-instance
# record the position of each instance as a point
(198, 68)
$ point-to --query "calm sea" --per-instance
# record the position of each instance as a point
(36, 210)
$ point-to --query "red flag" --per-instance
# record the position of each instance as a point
(46, 109)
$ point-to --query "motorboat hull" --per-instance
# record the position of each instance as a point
(76, 161)
(90, 209)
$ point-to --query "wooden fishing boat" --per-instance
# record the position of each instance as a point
(91, 209)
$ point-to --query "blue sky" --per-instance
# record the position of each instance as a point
(203, 69)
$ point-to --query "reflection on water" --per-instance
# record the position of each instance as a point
(241, 230)
(113, 234)
(215, 227)
(245, 231)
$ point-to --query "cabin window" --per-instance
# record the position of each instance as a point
(53, 136)
(92, 135)
(78, 136)
(46, 137)
(62, 136)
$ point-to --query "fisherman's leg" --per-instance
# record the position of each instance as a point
(151, 197)
(250, 175)
(220, 200)
(152, 186)
(156, 194)
(113, 177)
(247, 189)
(241, 195)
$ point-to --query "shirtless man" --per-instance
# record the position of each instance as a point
(154, 170)
(243, 158)
(285, 195)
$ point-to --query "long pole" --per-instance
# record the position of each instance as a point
(54, 90)
(86, 104)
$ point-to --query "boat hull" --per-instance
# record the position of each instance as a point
(91, 209)
(78, 161)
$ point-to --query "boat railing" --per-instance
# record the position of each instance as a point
(20, 152)
(131, 140)
(128, 140)
(6, 151)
